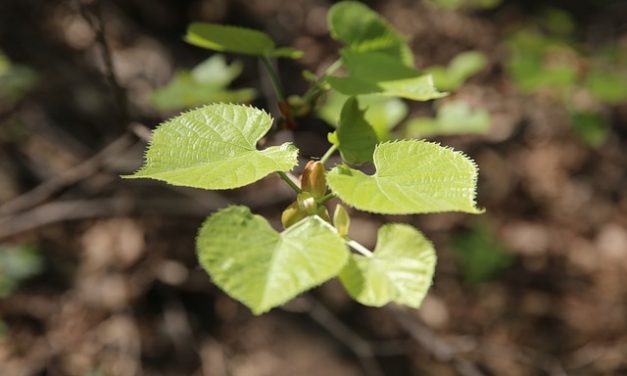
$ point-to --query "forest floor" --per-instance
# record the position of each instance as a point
(119, 290)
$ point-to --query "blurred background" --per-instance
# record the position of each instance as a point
(98, 275)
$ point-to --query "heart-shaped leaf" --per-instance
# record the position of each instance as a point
(262, 268)
(411, 177)
(400, 269)
(236, 39)
(214, 147)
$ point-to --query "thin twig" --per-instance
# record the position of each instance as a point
(362, 349)
(71, 176)
(328, 154)
(85, 209)
(289, 179)
(439, 349)
(92, 13)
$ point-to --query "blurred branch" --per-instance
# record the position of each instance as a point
(50, 187)
(438, 348)
(85, 209)
(92, 13)
(362, 349)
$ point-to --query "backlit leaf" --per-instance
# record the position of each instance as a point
(214, 147)
(262, 268)
(400, 269)
(411, 177)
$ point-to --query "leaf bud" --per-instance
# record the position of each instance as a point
(292, 214)
(314, 180)
(341, 220)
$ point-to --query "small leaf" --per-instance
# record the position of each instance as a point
(184, 92)
(461, 68)
(591, 127)
(411, 177)
(400, 269)
(214, 147)
(341, 220)
(480, 255)
(215, 71)
(357, 138)
(362, 30)
(262, 268)
(382, 113)
(235, 39)
(455, 117)
(607, 85)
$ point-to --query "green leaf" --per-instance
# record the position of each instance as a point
(216, 72)
(17, 263)
(356, 137)
(375, 66)
(461, 68)
(400, 269)
(481, 256)
(608, 85)
(591, 127)
(206, 83)
(411, 177)
(372, 72)
(262, 268)
(455, 117)
(236, 39)
(362, 30)
(382, 113)
(214, 147)
(185, 92)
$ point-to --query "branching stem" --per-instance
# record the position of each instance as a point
(324, 199)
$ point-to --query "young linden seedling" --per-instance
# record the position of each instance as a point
(215, 147)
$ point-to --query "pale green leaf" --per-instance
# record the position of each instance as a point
(185, 92)
(214, 147)
(205, 83)
(356, 137)
(262, 268)
(235, 39)
(400, 269)
(455, 117)
(361, 29)
(216, 72)
(461, 68)
(411, 177)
